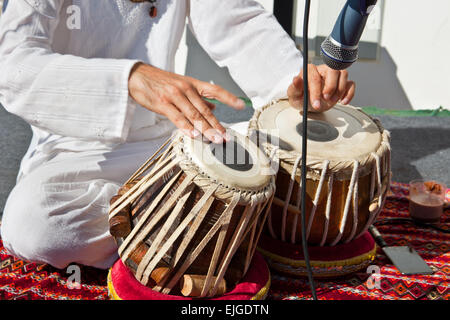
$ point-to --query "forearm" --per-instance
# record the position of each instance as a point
(62, 94)
(70, 96)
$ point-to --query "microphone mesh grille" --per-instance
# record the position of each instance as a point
(336, 57)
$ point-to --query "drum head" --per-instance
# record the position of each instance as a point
(338, 134)
(238, 163)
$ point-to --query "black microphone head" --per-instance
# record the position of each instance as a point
(337, 56)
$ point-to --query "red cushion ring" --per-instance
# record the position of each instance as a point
(122, 284)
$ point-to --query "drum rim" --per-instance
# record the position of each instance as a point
(341, 169)
(224, 192)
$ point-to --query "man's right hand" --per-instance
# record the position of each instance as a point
(180, 99)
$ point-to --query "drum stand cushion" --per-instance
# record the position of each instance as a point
(326, 261)
(122, 285)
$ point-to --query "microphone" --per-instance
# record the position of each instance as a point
(340, 49)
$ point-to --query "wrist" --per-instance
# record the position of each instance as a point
(137, 65)
(134, 78)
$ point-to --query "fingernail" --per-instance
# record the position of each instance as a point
(240, 103)
(316, 104)
(345, 101)
(326, 96)
(217, 139)
(195, 133)
(227, 136)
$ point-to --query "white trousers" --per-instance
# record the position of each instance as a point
(58, 213)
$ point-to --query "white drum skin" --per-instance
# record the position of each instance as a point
(348, 171)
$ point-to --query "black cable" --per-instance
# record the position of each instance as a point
(304, 140)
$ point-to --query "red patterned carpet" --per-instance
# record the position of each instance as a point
(24, 280)
(20, 280)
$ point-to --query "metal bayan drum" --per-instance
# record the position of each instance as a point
(348, 172)
(188, 221)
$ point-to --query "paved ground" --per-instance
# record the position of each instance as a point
(15, 136)
(421, 146)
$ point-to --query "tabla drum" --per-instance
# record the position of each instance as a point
(188, 221)
(348, 174)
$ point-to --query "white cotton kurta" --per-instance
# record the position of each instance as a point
(89, 136)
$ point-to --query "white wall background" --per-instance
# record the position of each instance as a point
(416, 36)
(412, 69)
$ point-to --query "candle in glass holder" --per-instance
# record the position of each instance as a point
(426, 200)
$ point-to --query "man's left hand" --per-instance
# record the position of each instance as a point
(326, 88)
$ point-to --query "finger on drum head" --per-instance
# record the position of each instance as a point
(315, 88)
(342, 86)
(180, 121)
(331, 82)
(350, 92)
(197, 120)
(205, 111)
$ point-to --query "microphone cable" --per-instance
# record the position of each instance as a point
(304, 151)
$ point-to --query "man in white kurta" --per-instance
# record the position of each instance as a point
(89, 134)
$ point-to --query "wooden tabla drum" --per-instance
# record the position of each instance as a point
(348, 172)
(188, 221)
